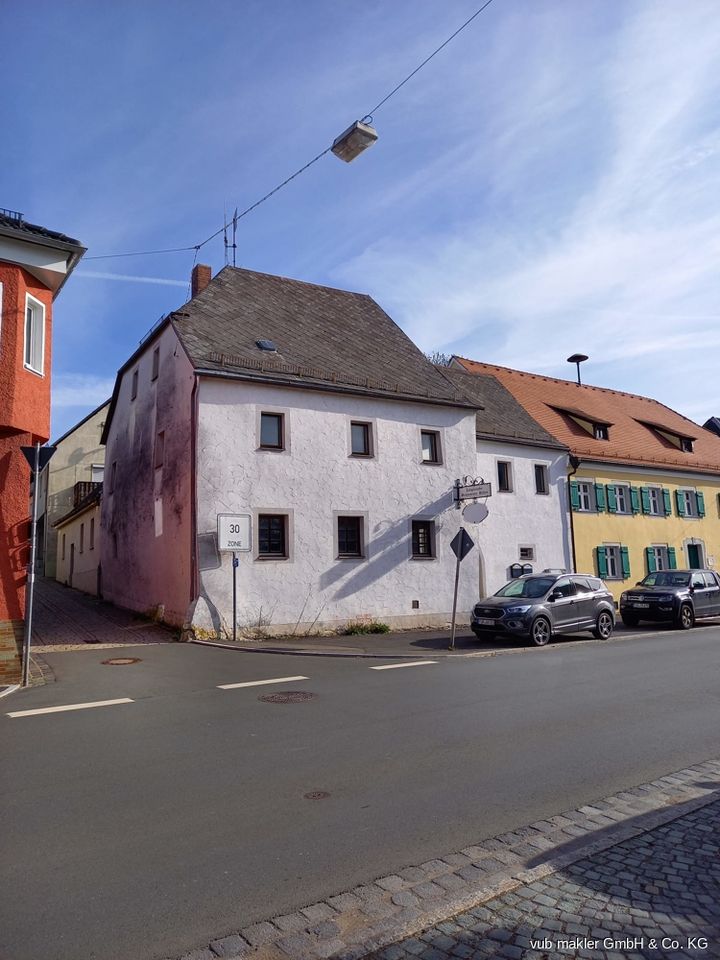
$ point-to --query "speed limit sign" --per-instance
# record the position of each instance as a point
(234, 532)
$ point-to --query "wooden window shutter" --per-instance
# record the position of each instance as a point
(668, 502)
(602, 568)
(625, 559)
(611, 499)
(634, 500)
(574, 495)
(672, 560)
(645, 498)
(680, 503)
(700, 497)
(650, 560)
(600, 497)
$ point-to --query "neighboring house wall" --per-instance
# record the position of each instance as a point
(522, 517)
(637, 531)
(78, 550)
(75, 455)
(146, 506)
(312, 481)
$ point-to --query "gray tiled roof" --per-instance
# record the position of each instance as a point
(32, 231)
(500, 416)
(325, 337)
(713, 424)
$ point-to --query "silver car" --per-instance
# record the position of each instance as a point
(541, 605)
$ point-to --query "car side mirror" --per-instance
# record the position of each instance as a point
(552, 597)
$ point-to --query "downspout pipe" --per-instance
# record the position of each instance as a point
(574, 463)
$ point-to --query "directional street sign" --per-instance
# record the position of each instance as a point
(461, 544)
(474, 491)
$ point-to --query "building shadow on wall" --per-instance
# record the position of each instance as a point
(388, 547)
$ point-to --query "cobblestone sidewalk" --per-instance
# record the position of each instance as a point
(639, 872)
(67, 617)
(657, 896)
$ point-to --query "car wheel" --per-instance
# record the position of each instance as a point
(604, 626)
(685, 618)
(540, 631)
(630, 620)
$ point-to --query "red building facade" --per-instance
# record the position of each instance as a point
(34, 264)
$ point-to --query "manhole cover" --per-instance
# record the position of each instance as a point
(121, 661)
(316, 795)
(289, 696)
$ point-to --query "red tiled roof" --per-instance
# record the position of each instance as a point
(633, 421)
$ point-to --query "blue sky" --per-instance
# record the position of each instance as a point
(547, 184)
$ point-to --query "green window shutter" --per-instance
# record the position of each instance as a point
(668, 502)
(574, 495)
(611, 499)
(650, 560)
(700, 497)
(601, 561)
(672, 561)
(634, 499)
(645, 498)
(680, 503)
(625, 558)
(600, 497)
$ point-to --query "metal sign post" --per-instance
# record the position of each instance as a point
(38, 458)
(234, 535)
(461, 545)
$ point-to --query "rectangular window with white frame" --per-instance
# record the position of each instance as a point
(586, 495)
(34, 355)
(657, 508)
(622, 498)
(689, 499)
(97, 472)
(660, 556)
(612, 559)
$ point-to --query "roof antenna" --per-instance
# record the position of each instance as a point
(577, 359)
(234, 245)
(225, 236)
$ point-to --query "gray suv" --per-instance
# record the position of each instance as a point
(540, 605)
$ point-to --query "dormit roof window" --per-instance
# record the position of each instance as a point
(680, 441)
(597, 429)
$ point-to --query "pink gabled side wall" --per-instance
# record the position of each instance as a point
(146, 524)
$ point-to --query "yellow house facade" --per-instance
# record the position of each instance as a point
(629, 521)
(643, 486)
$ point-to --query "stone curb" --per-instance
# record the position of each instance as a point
(361, 921)
(426, 655)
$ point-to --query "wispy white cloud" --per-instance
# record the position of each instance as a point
(80, 390)
(589, 218)
(99, 275)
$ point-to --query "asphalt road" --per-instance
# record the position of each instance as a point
(145, 829)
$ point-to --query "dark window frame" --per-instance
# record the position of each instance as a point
(277, 550)
(134, 383)
(422, 539)
(280, 418)
(435, 447)
(507, 486)
(367, 453)
(543, 472)
(155, 363)
(350, 543)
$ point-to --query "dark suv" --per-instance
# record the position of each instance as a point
(540, 605)
(678, 596)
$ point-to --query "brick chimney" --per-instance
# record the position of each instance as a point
(200, 278)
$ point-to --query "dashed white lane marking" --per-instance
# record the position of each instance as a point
(69, 706)
(258, 683)
(395, 666)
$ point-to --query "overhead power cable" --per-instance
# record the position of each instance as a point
(367, 118)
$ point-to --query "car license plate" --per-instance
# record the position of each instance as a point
(484, 622)
(643, 605)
